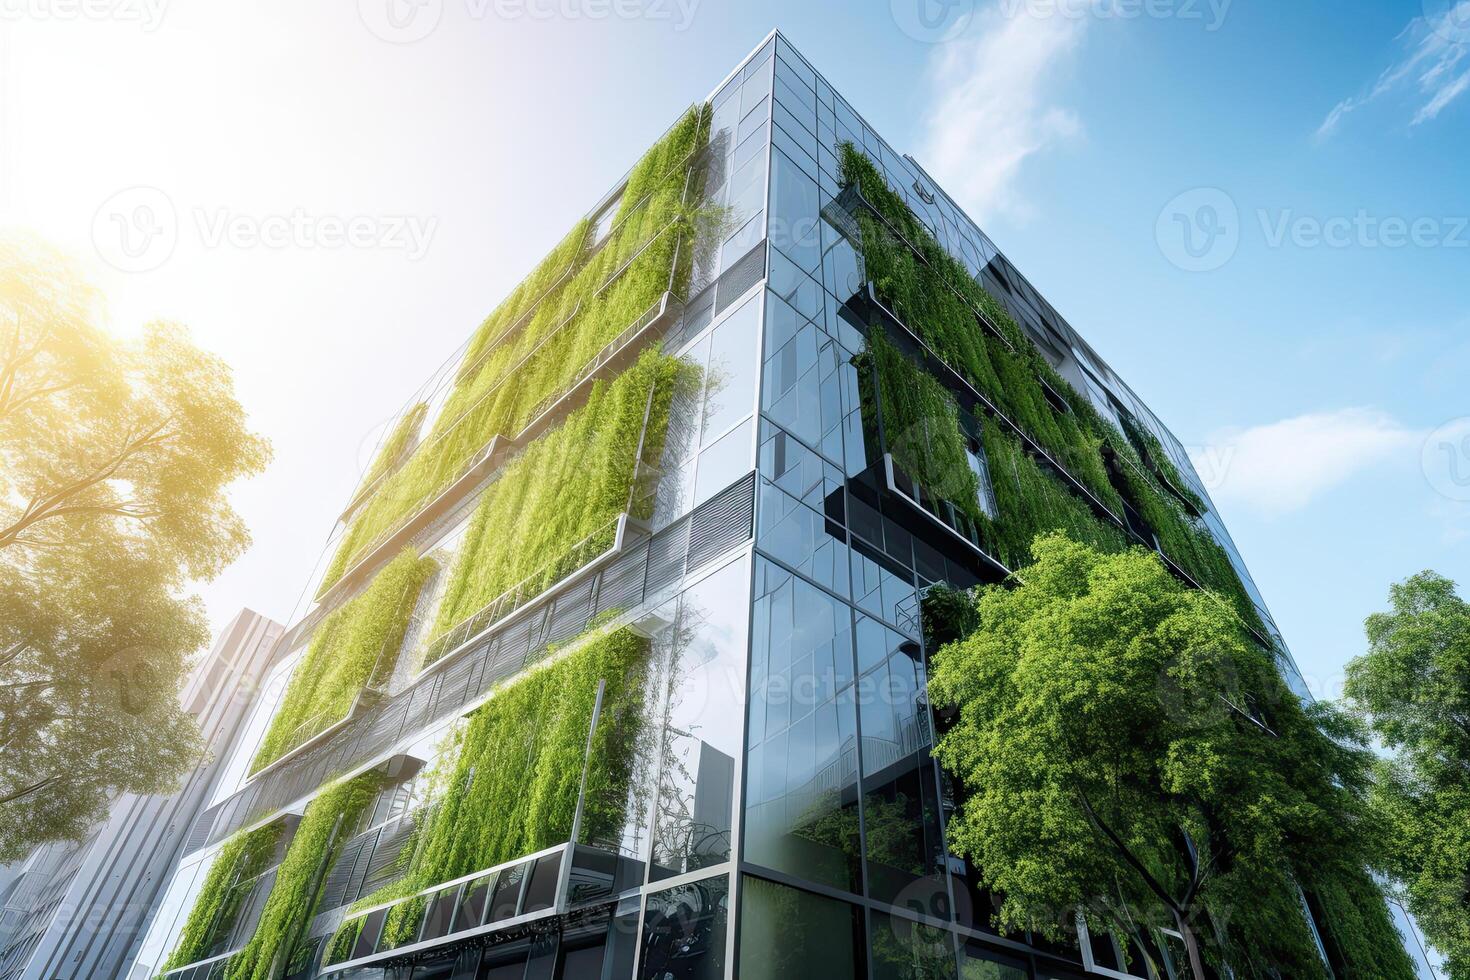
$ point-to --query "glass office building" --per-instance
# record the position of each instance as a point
(619, 667)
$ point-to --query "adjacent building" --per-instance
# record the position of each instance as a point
(587, 690)
(81, 909)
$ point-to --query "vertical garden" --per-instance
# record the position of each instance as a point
(1035, 428)
(578, 299)
(554, 502)
(508, 783)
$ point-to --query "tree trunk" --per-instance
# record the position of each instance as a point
(1191, 945)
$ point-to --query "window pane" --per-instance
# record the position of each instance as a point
(723, 463)
(979, 963)
(730, 380)
(906, 950)
(900, 797)
(703, 658)
(795, 225)
(801, 806)
(786, 933)
(684, 932)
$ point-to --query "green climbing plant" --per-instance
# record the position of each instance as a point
(507, 784)
(921, 424)
(241, 859)
(355, 646)
(397, 444)
(327, 825)
(934, 295)
(579, 299)
(554, 506)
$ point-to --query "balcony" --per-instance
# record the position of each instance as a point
(484, 908)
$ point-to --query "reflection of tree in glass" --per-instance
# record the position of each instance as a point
(683, 839)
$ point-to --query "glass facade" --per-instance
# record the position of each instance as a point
(780, 813)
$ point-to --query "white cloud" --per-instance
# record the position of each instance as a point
(1278, 468)
(1433, 47)
(990, 107)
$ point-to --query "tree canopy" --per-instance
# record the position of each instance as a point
(1413, 688)
(1126, 753)
(114, 459)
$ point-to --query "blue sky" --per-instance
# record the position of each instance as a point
(1085, 138)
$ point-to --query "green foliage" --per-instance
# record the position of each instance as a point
(241, 858)
(339, 947)
(921, 424)
(1413, 688)
(1033, 500)
(355, 646)
(397, 443)
(1102, 712)
(327, 825)
(115, 459)
(936, 297)
(566, 487)
(502, 382)
(401, 924)
(509, 787)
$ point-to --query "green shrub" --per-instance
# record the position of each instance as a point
(501, 385)
(566, 486)
(356, 645)
(243, 857)
(327, 825)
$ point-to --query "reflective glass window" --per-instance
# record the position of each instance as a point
(795, 225)
(684, 930)
(801, 801)
(787, 933)
(730, 376)
(701, 661)
(900, 795)
(902, 949)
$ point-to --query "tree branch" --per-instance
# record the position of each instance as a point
(27, 791)
(1128, 856)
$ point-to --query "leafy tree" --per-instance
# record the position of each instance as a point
(113, 462)
(1413, 687)
(1128, 754)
